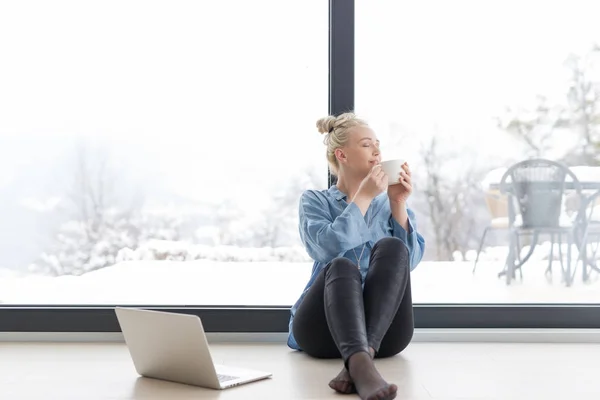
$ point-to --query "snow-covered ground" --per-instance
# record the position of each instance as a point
(209, 282)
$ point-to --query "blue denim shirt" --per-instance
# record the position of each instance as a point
(330, 227)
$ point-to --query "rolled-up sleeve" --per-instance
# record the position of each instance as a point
(415, 243)
(324, 237)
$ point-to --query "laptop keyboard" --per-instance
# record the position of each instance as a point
(225, 378)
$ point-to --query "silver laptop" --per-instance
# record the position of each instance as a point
(173, 347)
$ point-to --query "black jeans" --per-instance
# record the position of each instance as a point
(337, 318)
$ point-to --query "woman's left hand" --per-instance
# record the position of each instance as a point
(399, 193)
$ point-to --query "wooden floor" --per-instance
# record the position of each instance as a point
(87, 371)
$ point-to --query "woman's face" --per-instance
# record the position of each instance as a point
(361, 152)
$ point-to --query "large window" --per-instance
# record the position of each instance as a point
(463, 90)
(154, 152)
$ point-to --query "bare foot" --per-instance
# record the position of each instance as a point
(369, 383)
(343, 383)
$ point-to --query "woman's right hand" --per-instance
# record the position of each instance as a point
(374, 184)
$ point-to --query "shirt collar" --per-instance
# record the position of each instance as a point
(336, 193)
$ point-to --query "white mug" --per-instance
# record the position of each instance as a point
(392, 168)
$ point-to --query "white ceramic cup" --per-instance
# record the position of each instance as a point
(392, 169)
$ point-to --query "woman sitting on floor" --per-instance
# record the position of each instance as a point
(357, 304)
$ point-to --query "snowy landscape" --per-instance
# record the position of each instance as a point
(268, 281)
(134, 171)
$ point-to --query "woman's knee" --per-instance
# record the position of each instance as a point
(392, 244)
(392, 247)
(342, 266)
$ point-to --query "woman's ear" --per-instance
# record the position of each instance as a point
(340, 155)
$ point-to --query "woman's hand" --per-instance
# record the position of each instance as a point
(374, 183)
(399, 193)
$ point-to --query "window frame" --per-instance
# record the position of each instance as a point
(249, 319)
(256, 319)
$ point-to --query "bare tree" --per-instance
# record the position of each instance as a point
(583, 97)
(96, 225)
(534, 127)
(94, 230)
(226, 215)
(279, 226)
(579, 113)
(92, 191)
(452, 202)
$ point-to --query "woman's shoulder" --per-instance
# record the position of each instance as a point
(315, 200)
(312, 195)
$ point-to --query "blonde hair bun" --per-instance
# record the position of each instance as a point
(326, 124)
